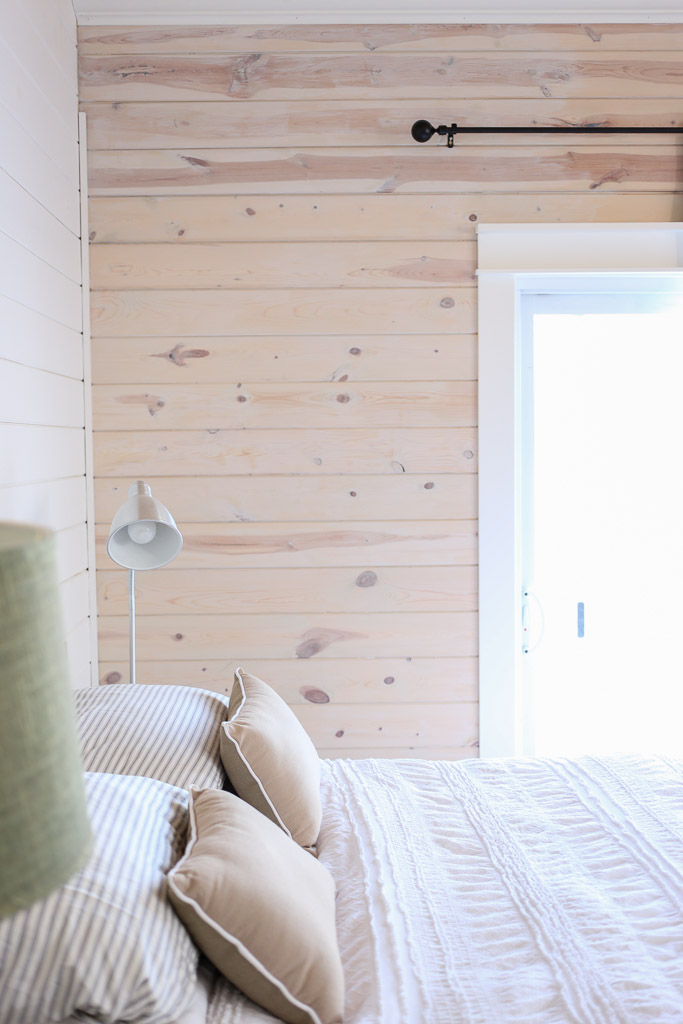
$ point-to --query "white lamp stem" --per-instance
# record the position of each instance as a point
(131, 622)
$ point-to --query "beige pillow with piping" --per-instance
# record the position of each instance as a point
(270, 759)
(261, 909)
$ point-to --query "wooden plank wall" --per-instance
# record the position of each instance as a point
(284, 318)
(42, 455)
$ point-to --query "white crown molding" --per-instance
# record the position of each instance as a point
(372, 12)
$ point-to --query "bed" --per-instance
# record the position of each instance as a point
(470, 892)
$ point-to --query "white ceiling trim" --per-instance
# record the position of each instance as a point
(373, 12)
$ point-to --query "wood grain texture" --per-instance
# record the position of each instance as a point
(194, 313)
(296, 451)
(391, 725)
(314, 76)
(364, 588)
(391, 217)
(352, 357)
(284, 334)
(572, 168)
(283, 499)
(258, 545)
(409, 39)
(338, 681)
(208, 124)
(280, 406)
(448, 753)
(264, 265)
(319, 635)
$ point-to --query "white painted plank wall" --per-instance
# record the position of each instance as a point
(42, 424)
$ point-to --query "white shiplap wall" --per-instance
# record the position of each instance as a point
(42, 436)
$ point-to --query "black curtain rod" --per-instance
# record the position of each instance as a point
(422, 131)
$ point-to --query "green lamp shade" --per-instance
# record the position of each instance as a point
(44, 828)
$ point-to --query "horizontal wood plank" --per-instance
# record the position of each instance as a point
(25, 161)
(339, 681)
(394, 217)
(258, 545)
(58, 32)
(446, 753)
(55, 133)
(27, 222)
(33, 454)
(36, 396)
(293, 358)
(72, 551)
(344, 311)
(30, 281)
(45, 344)
(280, 406)
(385, 634)
(390, 725)
(283, 265)
(426, 169)
(39, 54)
(75, 600)
(205, 125)
(56, 504)
(462, 38)
(314, 451)
(304, 499)
(315, 76)
(78, 655)
(365, 588)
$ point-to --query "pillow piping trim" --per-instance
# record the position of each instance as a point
(278, 819)
(241, 948)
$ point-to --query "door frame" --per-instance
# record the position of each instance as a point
(514, 259)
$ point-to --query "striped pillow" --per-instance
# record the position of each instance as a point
(169, 733)
(107, 944)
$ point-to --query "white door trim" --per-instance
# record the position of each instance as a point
(514, 259)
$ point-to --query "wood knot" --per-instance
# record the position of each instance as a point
(367, 579)
(447, 303)
(428, 486)
(113, 677)
(468, 453)
(339, 733)
(352, 493)
(178, 636)
(241, 398)
(354, 351)
(250, 212)
(343, 398)
(389, 680)
(473, 216)
(314, 696)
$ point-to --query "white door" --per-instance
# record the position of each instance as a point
(602, 513)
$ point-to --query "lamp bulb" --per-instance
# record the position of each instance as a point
(142, 532)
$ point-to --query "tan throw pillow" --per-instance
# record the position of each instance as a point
(270, 759)
(261, 909)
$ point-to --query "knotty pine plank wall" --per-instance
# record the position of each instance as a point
(284, 318)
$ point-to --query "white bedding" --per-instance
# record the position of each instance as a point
(493, 892)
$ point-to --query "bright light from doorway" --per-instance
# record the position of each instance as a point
(607, 531)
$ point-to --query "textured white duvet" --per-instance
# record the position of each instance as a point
(524, 892)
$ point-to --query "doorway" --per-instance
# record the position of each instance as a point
(602, 522)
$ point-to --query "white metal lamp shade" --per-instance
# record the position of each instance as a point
(143, 533)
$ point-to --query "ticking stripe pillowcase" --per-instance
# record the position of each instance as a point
(169, 733)
(107, 944)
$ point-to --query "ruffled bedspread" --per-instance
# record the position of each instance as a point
(503, 892)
